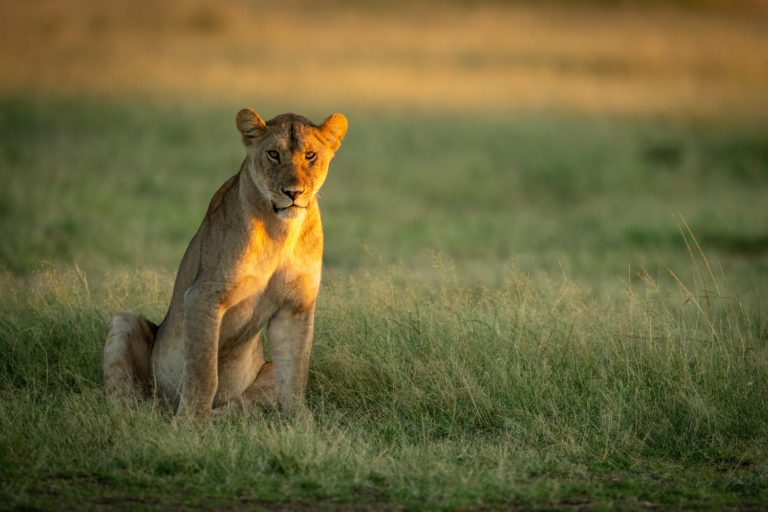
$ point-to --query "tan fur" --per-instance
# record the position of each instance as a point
(254, 262)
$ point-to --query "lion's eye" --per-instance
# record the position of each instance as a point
(310, 155)
(274, 155)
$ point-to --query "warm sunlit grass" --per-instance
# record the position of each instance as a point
(592, 56)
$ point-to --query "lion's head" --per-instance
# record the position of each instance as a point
(288, 156)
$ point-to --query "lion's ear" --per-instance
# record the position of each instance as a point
(333, 129)
(249, 124)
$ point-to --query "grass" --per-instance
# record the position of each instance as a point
(545, 265)
(531, 395)
(535, 325)
(128, 182)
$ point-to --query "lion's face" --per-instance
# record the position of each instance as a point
(289, 157)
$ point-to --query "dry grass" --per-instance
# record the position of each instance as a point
(429, 55)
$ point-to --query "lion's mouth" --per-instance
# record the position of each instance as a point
(279, 209)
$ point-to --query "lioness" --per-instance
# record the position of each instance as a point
(254, 262)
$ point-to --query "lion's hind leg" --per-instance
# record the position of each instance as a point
(126, 362)
(263, 390)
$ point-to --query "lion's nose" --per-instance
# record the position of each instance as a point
(292, 193)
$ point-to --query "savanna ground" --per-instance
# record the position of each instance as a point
(546, 251)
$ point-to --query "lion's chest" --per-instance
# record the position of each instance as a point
(249, 306)
(272, 271)
(257, 299)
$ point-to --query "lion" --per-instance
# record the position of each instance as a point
(254, 265)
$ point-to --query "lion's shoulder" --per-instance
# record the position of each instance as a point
(218, 198)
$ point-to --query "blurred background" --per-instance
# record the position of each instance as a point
(703, 56)
(553, 135)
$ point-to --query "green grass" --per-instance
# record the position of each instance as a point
(500, 324)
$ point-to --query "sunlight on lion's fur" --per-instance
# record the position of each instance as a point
(254, 264)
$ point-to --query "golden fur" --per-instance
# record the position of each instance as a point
(255, 262)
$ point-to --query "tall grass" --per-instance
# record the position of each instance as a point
(536, 392)
(511, 315)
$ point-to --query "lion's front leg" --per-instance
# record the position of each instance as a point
(200, 331)
(289, 337)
